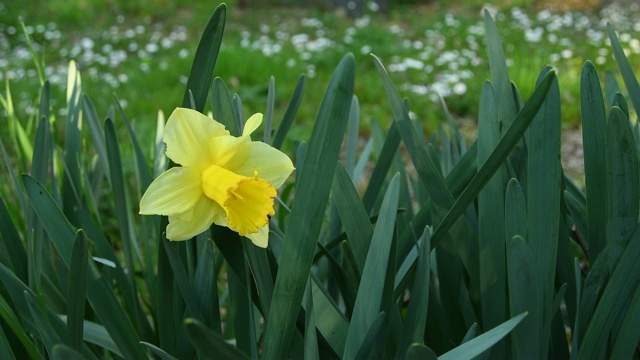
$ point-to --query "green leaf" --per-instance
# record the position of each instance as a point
(478, 345)
(387, 155)
(97, 135)
(268, 116)
(5, 347)
(158, 351)
(142, 169)
(629, 335)
(205, 285)
(99, 292)
(416, 320)
(523, 296)
(76, 294)
(354, 216)
(204, 61)
(368, 342)
(625, 69)
(13, 321)
(515, 210)
(328, 318)
(614, 301)
(290, 113)
(221, 106)
(594, 122)
(209, 344)
(11, 240)
(48, 334)
(611, 87)
(64, 352)
(622, 179)
(352, 136)
(420, 352)
(370, 293)
(182, 279)
(491, 220)
(72, 143)
(498, 156)
(310, 338)
(311, 199)
(578, 214)
(499, 75)
(543, 201)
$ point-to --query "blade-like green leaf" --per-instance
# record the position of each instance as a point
(99, 292)
(491, 220)
(478, 345)
(499, 75)
(611, 87)
(209, 344)
(420, 352)
(268, 116)
(290, 113)
(310, 338)
(594, 122)
(12, 242)
(205, 285)
(498, 156)
(625, 68)
(370, 293)
(614, 301)
(48, 334)
(629, 334)
(64, 352)
(204, 61)
(622, 179)
(158, 352)
(306, 214)
(515, 210)
(523, 297)
(352, 136)
(221, 106)
(76, 294)
(353, 215)
(415, 323)
(543, 202)
(368, 342)
(97, 135)
(10, 317)
(387, 154)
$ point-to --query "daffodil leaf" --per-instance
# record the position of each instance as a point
(204, 62)
(290, 113)
(312, 195)
(594, 120)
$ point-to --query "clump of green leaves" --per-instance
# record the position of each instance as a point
(486, 250)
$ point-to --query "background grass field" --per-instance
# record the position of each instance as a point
(140, 52)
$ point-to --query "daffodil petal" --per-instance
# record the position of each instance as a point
(187, 135)
(229, 151)
(270, 163)
(260, 238)
(203, 213)
(173, 192)
(252, 124)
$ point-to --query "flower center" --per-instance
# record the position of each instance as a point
(247, 201)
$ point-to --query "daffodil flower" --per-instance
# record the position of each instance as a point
(222, 179)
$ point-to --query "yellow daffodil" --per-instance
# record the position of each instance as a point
(227, 180)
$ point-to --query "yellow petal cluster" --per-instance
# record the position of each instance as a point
(222, 179)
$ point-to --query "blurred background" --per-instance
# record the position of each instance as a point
(141, 51)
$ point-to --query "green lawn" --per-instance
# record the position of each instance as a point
(141, 53)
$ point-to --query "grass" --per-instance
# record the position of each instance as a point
(141, 53)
